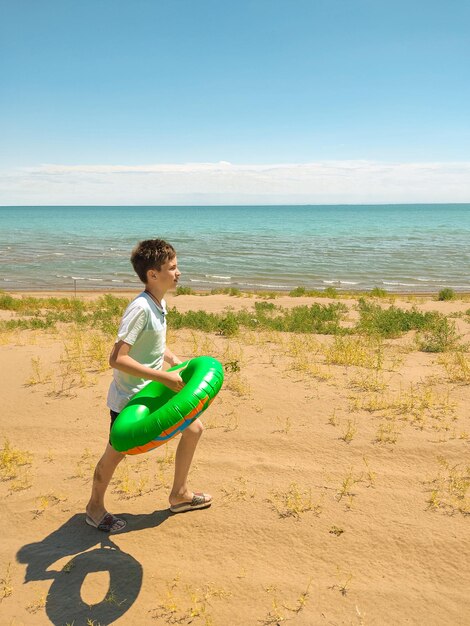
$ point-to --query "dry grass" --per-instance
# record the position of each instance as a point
(457, 367)
(186, 604)
(450, 489)
(237, 491)
(46, 501)
(85, 465)
(15, 467)
(355, 351)
(422, 406)
(6, 588)
(84, 355)
(294, 502)
(148, 474)
(349, 431)
(388, 432)
(38, 604)
(281, 610)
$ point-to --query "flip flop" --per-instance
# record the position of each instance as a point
(198, 502)
(109, 523)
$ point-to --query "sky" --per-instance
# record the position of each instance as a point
(234, 101)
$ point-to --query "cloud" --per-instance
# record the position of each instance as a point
(325, 182)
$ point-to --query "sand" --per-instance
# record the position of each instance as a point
(333, 503)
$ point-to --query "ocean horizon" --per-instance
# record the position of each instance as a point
(417, 248)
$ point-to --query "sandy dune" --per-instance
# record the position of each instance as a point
(341, 492)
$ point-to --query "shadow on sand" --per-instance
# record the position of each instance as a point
(91, 551)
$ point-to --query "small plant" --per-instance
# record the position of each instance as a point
(284, 425)
(238, 384)
(232, 366)
(38, 377)
(343, 586)
(457, 367)
(68, 567)
(334, 530)
(133, 486)
(387, 432)
(347, 484)
(49, 458)
(349, 432)
(44, 502)
(333, 420)
(85, 465)
(11, 460)
(450, 490)
(6, 588)
(184, 606)
(276, 615)
(370, 382)
(293, 502)
(36, 605)
(111, 598)
(446, 294)
(370, 475)
(238, 491)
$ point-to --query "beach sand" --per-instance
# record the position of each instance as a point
(341, 492)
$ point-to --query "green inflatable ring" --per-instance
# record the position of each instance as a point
(156, 414)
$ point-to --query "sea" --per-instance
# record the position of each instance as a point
(400, 248)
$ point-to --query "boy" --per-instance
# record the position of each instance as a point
(137, 357)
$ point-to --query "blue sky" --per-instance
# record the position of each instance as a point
(259, 82)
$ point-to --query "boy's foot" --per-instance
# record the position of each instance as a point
(198, 501)
(109, 523)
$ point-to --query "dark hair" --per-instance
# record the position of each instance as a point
(151, 254)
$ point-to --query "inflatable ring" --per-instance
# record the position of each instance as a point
(156, 414)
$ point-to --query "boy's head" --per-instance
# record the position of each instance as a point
(151, 254)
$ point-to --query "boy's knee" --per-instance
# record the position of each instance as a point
(195, 429)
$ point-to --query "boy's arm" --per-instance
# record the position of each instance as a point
(171, 358)
(121, 360)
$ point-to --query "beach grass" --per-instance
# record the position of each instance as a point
(436, 332)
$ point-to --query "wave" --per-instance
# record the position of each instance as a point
(340, 282)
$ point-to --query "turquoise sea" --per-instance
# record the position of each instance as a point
(419, 248)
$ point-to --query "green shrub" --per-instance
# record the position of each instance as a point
(441, 336)
(330, 292)
(377, 292)
(184, 291)
(34, 323)
(297, 292)
(317, 318)
(446, 294)
(228, 325)
(8, 303)
(229, 291)
(391, 322)
(264, 306)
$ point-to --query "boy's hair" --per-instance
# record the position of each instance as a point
(151, 254)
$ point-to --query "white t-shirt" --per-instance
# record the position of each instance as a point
(143, 327)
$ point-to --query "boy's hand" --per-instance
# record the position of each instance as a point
(173, 381)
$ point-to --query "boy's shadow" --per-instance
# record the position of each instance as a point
(64, 603)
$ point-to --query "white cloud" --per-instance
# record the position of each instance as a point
(326, 182)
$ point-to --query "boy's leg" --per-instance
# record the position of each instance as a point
(184, 456)
(101, 478)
